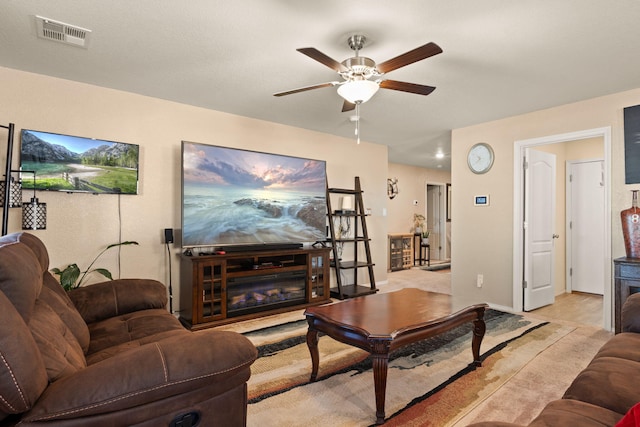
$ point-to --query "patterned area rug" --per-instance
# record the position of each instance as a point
(430, 383)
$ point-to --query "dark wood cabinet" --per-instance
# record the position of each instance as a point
(219, 289)
(400, 251)
(627, 282)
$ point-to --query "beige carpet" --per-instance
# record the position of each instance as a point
(435, 281)
(542, 380)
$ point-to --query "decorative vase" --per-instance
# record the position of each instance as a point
(631, 227)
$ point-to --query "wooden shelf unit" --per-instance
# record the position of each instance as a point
(400, 251)
(358, 240)
(219, 289)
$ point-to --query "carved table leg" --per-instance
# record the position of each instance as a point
(312, 343)
(380, 367)
(479, 329)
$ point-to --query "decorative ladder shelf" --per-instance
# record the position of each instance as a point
(359, 238)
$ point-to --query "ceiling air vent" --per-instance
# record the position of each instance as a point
(60, 32)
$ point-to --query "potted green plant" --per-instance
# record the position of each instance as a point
(418, 223)
(70, 277)
(425, 237)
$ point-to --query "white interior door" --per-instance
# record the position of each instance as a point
(586, 226)
(434, 220)
(539, 229)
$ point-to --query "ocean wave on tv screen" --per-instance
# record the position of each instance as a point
(252, 216)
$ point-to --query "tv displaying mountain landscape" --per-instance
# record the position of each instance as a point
(238, 197)
(78, 164)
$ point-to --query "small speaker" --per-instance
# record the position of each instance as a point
(168, 235)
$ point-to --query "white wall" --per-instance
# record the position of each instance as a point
(483, 237)
(80, 225)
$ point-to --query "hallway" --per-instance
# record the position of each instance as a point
(576, 307)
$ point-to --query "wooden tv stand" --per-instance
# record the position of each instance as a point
(226, 288)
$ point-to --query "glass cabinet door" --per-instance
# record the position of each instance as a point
(318, 280)
(212, 291)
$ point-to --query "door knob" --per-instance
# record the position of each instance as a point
(556, 236)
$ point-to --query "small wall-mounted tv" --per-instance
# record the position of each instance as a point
(77, 164)
(234, 197)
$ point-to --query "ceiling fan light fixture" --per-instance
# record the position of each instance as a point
(358, 91)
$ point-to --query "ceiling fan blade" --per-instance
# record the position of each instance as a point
(306, 88)
(407, 87)
(314, 53)
(415, 55)
(347, 106)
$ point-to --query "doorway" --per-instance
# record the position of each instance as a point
(584, 217)
(435, 209)
(604, 136)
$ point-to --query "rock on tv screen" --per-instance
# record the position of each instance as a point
(78, 164)
(234, 197)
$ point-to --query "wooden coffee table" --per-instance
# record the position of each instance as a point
(384, 322)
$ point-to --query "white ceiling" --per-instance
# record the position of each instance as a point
(501, 58)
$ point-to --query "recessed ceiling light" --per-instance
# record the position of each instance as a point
(439, 155)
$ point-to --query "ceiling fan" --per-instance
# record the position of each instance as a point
(359, 72)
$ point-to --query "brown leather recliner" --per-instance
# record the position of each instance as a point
(108, 354)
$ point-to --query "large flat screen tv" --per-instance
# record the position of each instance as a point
(233, 197)
(73, 163)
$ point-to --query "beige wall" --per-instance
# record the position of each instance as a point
(483, 237)
(80, 225)
(412, 185)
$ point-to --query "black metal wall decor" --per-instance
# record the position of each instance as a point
(6, 201)
(392, 187)
(34, 213)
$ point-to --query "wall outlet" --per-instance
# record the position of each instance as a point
(168, 235)
(479, 280)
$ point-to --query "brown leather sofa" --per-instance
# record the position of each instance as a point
(606, 389)
(108, 354)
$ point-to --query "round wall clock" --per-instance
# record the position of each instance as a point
(480, 158)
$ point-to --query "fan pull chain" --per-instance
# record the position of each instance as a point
(358, 122)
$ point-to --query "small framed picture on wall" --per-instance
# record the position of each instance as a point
(632, 145)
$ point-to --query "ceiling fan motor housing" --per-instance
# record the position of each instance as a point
(359, 68)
